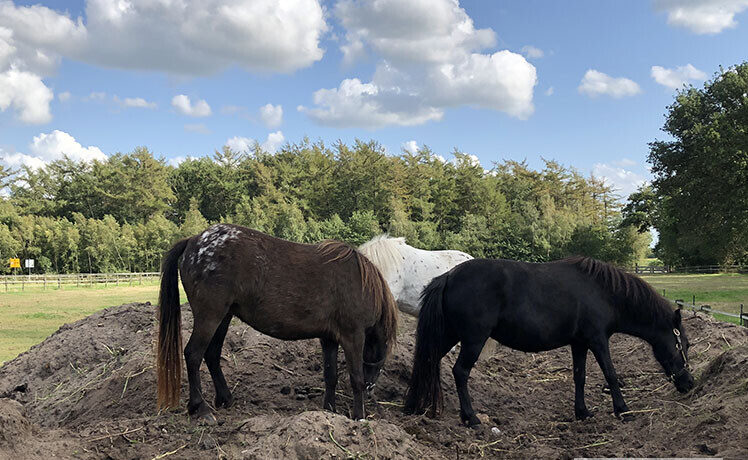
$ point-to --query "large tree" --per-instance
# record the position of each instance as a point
(701, 175)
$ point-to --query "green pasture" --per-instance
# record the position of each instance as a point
(722, 291)
(28, 317)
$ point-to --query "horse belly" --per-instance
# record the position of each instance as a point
(532, 334)
(284, 323)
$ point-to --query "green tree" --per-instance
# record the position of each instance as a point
(701, 175)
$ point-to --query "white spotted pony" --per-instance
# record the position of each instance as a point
(407, 269)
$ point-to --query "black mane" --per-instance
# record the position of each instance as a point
(627, 291)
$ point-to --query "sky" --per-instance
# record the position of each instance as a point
(585, 83)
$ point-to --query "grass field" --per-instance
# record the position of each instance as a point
(723, 291)
(27, 318)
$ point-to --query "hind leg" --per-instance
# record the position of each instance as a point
(206, 322)
(579, 361)
(213, 361)
(469, 352)
(330, 357)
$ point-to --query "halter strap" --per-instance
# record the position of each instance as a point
(679, 347)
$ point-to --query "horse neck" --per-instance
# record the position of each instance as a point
(632, 324)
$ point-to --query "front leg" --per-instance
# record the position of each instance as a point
(353, 347)
(330, 358)
(602, 354)
(579, 361)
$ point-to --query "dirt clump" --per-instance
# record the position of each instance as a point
(88, 391)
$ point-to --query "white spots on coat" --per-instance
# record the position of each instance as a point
(212, 241)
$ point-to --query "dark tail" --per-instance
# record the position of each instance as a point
(169, 361)
(425, 389)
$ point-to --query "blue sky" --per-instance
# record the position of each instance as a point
(585, 83)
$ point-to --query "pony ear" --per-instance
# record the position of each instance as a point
(677, 317)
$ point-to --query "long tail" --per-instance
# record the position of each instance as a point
(169, 361)
(425, 389)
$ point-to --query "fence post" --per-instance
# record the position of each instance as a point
(694, 300)
(742, 323)
(45, 282)
(59, 282)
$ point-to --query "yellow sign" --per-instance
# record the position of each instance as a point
(14, 263)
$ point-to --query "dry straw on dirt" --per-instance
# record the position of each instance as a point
(88, 391)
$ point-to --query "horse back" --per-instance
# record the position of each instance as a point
(281, 288)
(529, 307)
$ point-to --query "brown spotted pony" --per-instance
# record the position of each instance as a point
(286, 290)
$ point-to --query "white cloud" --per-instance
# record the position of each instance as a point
(624, 181)
(597, 83)
(271, 115)
(410, 146)
(241, 144)
(676, 78)
(273, 142)
(16, 159)
(428, 60)
(184, 106)
(192, 37)
(549, 91)
(363, 104)
(188, 37)
(176, 161)
(531, 52)
(47, 147)
(27, 95)
(138, 102)
(702, 16)
(54, 145)
(245, 144)
(198, 128)
(64, 96)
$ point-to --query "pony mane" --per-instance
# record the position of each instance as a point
(384, 251)
(629, 292)
(373, 285)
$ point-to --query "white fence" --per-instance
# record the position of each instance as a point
(50, 281)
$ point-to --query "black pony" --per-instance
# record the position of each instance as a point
(537, 307)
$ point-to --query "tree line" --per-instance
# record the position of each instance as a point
(122, 214)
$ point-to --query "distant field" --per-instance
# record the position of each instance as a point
(722, 291)
(27, 318)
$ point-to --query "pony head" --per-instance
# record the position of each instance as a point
(671, 351)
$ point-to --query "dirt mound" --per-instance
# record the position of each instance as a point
(314, 435)
(88, 391)
(13, 425)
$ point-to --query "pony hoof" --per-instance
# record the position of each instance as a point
(224, 402)
(471, 422)
(203, 415)
(583, 415)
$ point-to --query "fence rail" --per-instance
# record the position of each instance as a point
(76, 279)
(742, 317)
(662, 269)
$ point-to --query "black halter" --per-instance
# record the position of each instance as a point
(679, 347)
